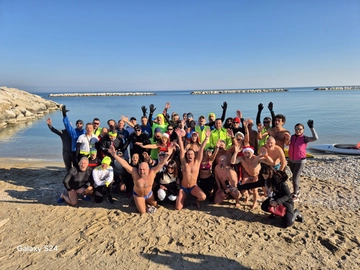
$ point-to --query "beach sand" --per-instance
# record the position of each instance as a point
(103, 236)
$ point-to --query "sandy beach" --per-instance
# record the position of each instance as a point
(38, 233)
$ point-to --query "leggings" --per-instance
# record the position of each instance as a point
(287, 220)
(296, 169)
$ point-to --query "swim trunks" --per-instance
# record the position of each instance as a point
(188, 190)
(277, 167)
(145, 197)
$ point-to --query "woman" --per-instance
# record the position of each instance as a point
(206, 180)
(297, 154)
(277, 191)
(168, 182)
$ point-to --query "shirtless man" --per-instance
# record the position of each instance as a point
(226, 180)
(276, 153)
(143, 178)
(190, 166)
(251, 166)
(280, 134)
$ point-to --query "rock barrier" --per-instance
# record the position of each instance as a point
(338, 88)
(19, 106)
(102, 94)
(216, 92)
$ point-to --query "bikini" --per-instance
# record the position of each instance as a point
(206, 166)
(145, 197)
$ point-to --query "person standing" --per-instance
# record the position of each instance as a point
(66, 144)
(297, 154)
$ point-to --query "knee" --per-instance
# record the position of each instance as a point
(161, 194)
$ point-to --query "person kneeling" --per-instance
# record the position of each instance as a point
(103, 177)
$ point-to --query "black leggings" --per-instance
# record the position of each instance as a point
(287, 220)
(104, 191)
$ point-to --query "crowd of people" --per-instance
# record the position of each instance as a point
(166, 157)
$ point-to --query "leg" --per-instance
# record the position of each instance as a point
(298, 167)
(236, 195)
(140, 204)
(71, 198)
(67, 157)
(219, 196)
(180, 200)
(151, 201)
(199, 194)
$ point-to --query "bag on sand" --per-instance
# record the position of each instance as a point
(278, 210)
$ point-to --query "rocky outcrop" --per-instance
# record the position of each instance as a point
(216, 92)
(338, 88)
(19, 106)
(102, 94)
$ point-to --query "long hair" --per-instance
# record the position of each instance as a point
(267, 169)
(173, 164)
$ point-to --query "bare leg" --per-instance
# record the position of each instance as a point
(199, 194)
(151, 201)
(140, 204)
(180, 200)
(219, 196)
(71, 198)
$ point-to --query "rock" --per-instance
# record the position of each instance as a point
(18, 105)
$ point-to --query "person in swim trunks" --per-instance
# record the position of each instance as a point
(276, 153)
(143, 178)
(190, 165)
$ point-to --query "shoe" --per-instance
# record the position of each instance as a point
(271, 216)
(60, 200)
(86, 198)
(110, 200)
(299, 218)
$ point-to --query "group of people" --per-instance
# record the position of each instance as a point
(168, 158)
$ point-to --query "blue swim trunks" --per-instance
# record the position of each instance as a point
(187, 190)
(145, 197)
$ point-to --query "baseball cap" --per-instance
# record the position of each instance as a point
(236, 120)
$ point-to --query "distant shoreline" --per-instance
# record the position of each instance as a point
(102, 94)
(338, 88)
(216, 92)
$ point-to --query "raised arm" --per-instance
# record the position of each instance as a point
(202, 146)
(258, 115)
(152, 110)
(122, 161)
(181, 144)
(271, 107)
(313, 132)
(126, 120)
(234, 158)
(56, 131)
(161, 164)
(224, 107)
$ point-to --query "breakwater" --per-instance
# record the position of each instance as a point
(102, 94)
(338, 88)
(216, 92)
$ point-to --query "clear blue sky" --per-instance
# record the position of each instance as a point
(126, 45)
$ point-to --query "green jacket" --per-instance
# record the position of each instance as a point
(217, 135)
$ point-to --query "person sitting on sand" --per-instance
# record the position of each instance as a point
(278, 192)
(94, 161)
(190, 165)
(168, 182)
(143, 178)
(103, 176)
(250, 166)
(276, 153)
(226, 180)
(280, 134)
(77, 181)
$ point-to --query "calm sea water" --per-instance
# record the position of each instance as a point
(335, 115)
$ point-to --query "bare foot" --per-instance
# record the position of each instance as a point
(254, 206)
(237, 205)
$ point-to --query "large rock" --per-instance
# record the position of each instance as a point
(18, 106)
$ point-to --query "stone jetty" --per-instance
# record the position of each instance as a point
(356, 87)
(102, 94)
(19, 106)
(216, 92)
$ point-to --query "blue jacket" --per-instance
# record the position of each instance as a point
(73, 132)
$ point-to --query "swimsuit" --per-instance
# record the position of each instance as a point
(277, 167)
(188, 190)
(206, 166)
(145, 197)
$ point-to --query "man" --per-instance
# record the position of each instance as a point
(143, 178)
(253, 135)
(85, 142)
(137, 136)
(77, 181)
(103, 176)
(201, 128)
(251, 167)
(280, 134)
(97, 128)
(110, 139)
(190, 166)
(66, 144)
(219, 133)
(212, 116)
(226, 180)
(74, 133)
(266, 122)
(276, 153)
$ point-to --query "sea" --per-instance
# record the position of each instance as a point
(335, 114)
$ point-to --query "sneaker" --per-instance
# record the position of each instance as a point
(86, 198)
(60, 200)
(299, 218)
(110, 200)
(295, 198)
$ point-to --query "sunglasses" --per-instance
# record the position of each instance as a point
(96, 123)
(170, 168)
(266, 122)
(137, 130)
(79, 123)
(298, 129)
(266, 173)
(170, 129)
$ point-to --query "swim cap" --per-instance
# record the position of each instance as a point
(106, 160)
(112, 133)
(93, 150)
(239, 133)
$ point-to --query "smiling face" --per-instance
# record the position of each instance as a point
(218, 124)
(299, 129)
(143, 170)
(270, 143)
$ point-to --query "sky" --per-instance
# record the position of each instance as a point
(150, 45)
